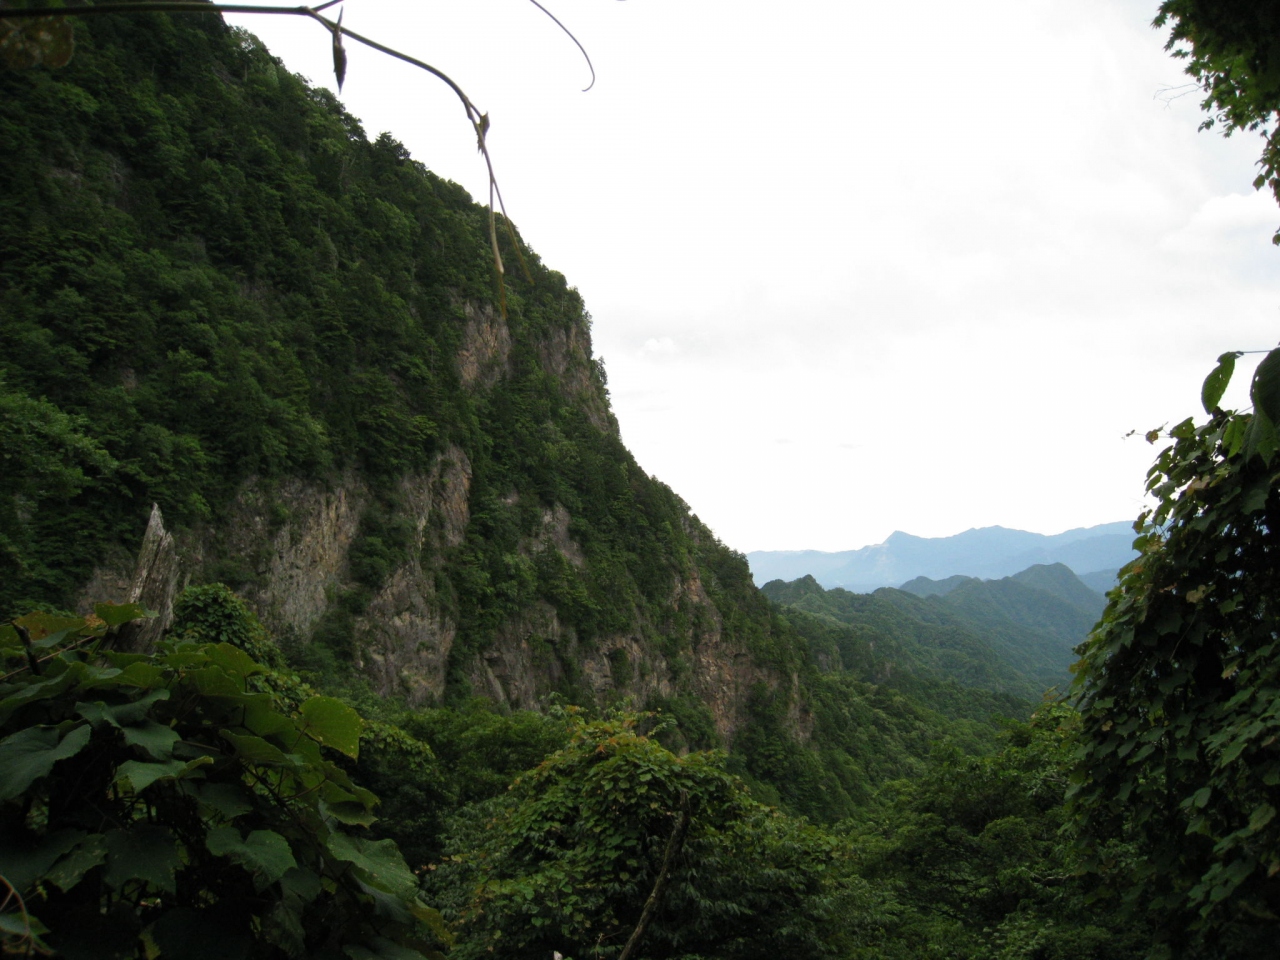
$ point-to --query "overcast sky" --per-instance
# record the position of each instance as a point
(855, 267)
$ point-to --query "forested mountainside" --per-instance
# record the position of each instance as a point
(1015, 635)
(221, 298)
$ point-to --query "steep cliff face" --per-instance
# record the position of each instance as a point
(298, 540)
(283, 336)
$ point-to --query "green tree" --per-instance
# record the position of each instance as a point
(173, 804)
(569, 858)
(1179, 689)
(973, 859)
(1232, 49)
(46, 456)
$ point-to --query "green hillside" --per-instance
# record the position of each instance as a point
(246, 312)
(1014, 635)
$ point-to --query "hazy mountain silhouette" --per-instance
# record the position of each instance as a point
(986, 553)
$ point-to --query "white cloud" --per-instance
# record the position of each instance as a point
(659, 347)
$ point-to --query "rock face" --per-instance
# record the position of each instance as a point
(287, 549)
(154, 584)
(486, 347)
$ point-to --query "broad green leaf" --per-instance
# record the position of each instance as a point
(1262, 815)
(1215, 384)
(140, 775)
(301, 885)
(1265, 389)
(264, 852)
(30, 754)
(22, 864)
(283, 927)
(142, 852)
(434, 921)
(98, 714)
(350, 812)
(1254, 497)
(228, 799)
(140, 675)
(114, 614)
(1260, 439)
(13, 925)
(120, 714)
(334, 724)
(41, 625)
(53, 640)
(1233, 436)
(1234, 750)
(254, 749)
(216, 682)
(16, 925)
(263, 717)
(379, 861)
(122, 660)
(186, 658)
(155, 738)
(89, 853)
(234, 660)
(49, 687)
(307, 752)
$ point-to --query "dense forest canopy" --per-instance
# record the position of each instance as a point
(219, 297)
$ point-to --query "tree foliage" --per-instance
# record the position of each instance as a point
(566, 861)
(973, 859)
(1179, 688)
(172, 804)
(1232, 49)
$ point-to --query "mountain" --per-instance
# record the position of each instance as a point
(986, 552)
(1016, 634)
(884, 635)
(242, 342)
(270, 351)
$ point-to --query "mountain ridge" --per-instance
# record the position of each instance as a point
(983, 552)
(1015, 635)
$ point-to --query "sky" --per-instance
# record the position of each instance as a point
(855, 267)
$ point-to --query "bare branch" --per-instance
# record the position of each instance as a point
(651, 905)
(569, 34)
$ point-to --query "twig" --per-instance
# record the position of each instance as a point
(674, 843)
(34, 667)
(569, 33)
(27, 939)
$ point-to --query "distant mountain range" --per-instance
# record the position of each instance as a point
(1093, 553)
(1015, 635)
